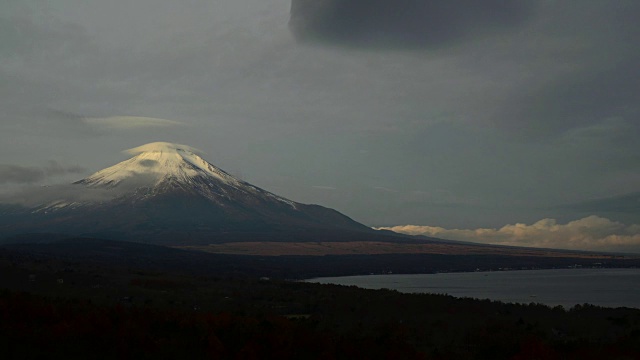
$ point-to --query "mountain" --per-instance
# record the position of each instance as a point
(168, 194)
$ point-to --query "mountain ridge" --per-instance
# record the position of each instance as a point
(168, 191)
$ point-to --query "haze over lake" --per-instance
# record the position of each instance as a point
(566, 287)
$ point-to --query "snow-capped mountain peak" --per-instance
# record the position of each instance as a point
(157, 162)
(168, 193)
(162, 167)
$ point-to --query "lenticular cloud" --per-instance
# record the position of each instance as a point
(130, 122)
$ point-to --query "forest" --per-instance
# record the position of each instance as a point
(83, 308)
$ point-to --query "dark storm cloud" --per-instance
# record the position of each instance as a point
(530, 67)
(18, 174)
(403, 23)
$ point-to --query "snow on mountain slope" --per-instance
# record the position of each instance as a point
(167, 193)
(158, 161)
(161, 167)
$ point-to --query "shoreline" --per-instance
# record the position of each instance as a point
(566, 287)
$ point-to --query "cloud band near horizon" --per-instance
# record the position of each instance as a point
(589, 233)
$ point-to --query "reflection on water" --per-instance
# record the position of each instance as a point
(566, 287)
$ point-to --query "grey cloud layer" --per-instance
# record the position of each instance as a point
(589, 54)
(28, 174)
(500, 115)
(33, 196)
(19, 174)
(552, 65)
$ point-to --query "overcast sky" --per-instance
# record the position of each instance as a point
(452, 114)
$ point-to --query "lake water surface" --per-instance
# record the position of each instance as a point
(566, 287)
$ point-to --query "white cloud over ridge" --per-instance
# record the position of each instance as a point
(130, 122)
(589, 233)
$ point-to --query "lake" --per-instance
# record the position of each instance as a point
(566, 287)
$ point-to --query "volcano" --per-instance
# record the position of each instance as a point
(168, 194)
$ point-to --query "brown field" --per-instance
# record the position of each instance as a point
(377, 248)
